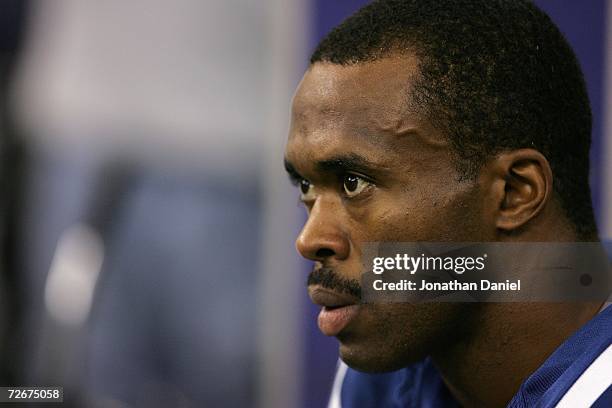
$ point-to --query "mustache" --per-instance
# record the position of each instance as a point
(329, 279)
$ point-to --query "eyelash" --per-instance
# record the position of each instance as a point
(297, 180)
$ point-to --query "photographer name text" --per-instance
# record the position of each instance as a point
(451, 286)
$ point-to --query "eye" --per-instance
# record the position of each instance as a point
(353, 185)
(305, 190)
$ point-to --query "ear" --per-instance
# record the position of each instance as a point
(521, 187)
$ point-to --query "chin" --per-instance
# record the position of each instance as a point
(379, 359)
(388, 337)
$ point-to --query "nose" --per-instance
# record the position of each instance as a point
(323, 236)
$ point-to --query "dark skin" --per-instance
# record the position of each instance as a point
(372, 170)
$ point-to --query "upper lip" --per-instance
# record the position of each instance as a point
(329, 298)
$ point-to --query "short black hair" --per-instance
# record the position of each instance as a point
(495, 75)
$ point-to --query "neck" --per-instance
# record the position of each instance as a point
(508, 343)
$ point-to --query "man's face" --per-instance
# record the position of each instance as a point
(370, 170)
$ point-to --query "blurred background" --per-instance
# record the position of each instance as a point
(148, 226)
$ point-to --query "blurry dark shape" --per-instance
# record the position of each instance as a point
(175, 316)
(12, 22)
(78, 215)
(11, 26)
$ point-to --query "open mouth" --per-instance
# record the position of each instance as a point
(332, 320)
(338, 309)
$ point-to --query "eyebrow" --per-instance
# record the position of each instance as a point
(345, 163)
(294, 176)
(337, 165)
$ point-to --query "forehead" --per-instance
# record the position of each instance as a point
(359, 108)
(375, 92)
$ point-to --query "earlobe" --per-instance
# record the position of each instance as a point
(526, 178)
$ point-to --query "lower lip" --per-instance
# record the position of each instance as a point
(333, 321)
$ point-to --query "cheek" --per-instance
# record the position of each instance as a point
(431, 212)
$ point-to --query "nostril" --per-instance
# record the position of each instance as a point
(324, 253)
